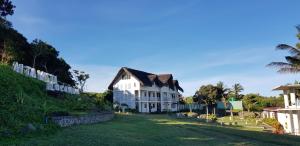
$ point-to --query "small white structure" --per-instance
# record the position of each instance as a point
(270, 112)
(289, 116)
(49, 79)
(145, 92)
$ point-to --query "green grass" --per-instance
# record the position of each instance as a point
(154, 130)
(23, 100)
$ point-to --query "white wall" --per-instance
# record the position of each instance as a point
(124, 92)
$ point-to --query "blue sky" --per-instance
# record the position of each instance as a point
(198, 41)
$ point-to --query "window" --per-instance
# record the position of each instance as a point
(153, 105)
(149, 93)
(145, 105)
(129, 86)
(145, 93)
(173, 106)
(134, 84)
(158, 94)
(173, 96)
(125, 77)
(153, 94)
(165, 94)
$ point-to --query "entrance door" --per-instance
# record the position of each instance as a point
(158, 107)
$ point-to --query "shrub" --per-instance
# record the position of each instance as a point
(275, 124)
(212, 117)
(192, 114)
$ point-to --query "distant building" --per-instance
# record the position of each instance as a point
(145, 92)
(289, 116)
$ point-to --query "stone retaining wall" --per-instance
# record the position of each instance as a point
(66, 121)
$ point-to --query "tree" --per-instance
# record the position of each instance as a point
(81, 78)
(223, 91)
(236, 89)
(208, 95)
(250, 100)
(6, 8)
(292, 64)
(189, 101)
(38, 48)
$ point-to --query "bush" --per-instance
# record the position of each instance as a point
(212, 117)
(275, 124)
(192, 114)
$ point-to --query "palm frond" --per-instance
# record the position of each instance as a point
(291, 49)
(279, 64)
(289, 70)
(295, 61)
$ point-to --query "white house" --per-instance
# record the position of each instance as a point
(145, 92)
(289, 116)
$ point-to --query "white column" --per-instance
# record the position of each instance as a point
(286, 100)
(293, 100)
(295, 124)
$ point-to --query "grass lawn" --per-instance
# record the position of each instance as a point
(154, 130)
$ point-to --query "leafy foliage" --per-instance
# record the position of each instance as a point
(275, 124)
(102, 100)
(236, 90)
(81, 78)
(207, 94)
(6, 8)
(249, 101)
(292, 64)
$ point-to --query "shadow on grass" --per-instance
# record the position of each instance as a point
(144, 129)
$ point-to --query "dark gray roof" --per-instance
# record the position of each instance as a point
(147, 79)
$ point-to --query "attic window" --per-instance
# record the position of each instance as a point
(125, 77)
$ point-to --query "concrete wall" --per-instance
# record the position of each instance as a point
(66, 121)
(290, 121)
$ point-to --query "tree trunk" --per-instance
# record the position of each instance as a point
(34, 58)
(231, 113)
(206, 113)
(214, 110)
(191, 108)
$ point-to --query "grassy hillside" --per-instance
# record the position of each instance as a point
(24, 101)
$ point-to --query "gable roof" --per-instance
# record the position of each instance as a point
(148, 79)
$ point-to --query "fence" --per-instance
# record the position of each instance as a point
(193, 106)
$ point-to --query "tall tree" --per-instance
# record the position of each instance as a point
(292, 64)
(207, 94)
(250, 100)
(189, 101)
(6, 8)
(81, 78)
(38, 48)
(237, 89)
(223, 91)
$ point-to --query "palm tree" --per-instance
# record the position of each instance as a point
(292, 64)
(236, 89)
(223, 90)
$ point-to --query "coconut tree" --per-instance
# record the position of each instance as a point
(223, 91)
(237, 89)
(292, 64)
